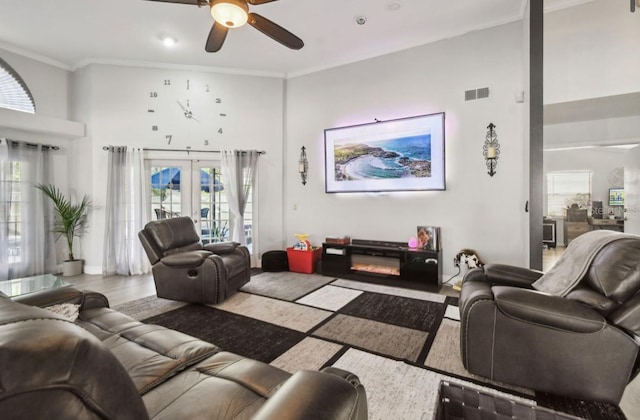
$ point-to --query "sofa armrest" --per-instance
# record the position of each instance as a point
(316, 395)
(509, 275)
(473, 291)
(222, 248)
(546, 310)
(69, 294)
(186, 259)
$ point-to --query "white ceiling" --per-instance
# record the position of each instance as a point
(74, 33)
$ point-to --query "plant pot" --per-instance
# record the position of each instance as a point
(72, 267)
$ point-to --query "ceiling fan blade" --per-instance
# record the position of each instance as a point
(275, 31)
(216, 38)
(192, 2)
(256, 2)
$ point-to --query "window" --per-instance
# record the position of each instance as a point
(566, 188)
(11, 223)
(14, 93)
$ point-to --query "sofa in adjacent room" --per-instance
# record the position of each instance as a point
(107, 365)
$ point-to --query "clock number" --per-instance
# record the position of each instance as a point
(223, 115)
(168, 138)
(206, 88)
(220, 130)
(154, 127)
(167, 82)
(153, 94)
(188, 104)
(206, 142)
(187, 84)
(218, 100)
(151, 110)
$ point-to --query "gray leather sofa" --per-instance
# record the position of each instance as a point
(187, 271)
(583, 345)
(108, 366)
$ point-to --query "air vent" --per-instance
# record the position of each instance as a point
(469, 95)
(480, 93)
(483, 93)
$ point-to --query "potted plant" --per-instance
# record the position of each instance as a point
(70, 222)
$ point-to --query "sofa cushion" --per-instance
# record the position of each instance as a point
(149, 353)
(52, 368)
(240, 385)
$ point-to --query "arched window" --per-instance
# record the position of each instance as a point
(14, 93)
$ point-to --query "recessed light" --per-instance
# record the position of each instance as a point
(360, 20)
(169, 41)
(392, 6)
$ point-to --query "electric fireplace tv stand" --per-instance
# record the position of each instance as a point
(383, 262)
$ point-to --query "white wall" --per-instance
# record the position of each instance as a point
(116, 100)
(591, 51)
(49, 85)
(476, 211)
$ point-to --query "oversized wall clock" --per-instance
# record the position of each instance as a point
(185, 111)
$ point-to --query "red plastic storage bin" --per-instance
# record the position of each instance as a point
(303, 261)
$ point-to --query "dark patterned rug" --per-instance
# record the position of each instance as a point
(377, 333)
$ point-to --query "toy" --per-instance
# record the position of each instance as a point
(470, 257)
(303, 244)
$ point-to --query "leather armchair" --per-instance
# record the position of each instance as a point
(187, 271)
(582, 345)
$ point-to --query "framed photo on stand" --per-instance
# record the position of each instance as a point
(429, 238)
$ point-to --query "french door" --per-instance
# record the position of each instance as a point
(194, 188)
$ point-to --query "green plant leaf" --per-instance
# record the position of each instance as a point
(70, 219)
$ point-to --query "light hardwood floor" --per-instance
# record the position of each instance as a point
(118, 289)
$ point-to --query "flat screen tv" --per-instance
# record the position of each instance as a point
(616, 196)
(405, 154)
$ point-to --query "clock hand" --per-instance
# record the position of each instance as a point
(187, 112)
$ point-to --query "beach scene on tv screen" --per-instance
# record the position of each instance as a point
(403, 157)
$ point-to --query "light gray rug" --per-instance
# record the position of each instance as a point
(399, 391)
(285, 285)
(395, 389)
(285, 314)
(147, 307)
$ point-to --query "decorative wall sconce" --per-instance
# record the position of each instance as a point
(303, 165)
(491, 149)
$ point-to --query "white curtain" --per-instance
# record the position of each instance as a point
(27, 246)
(238, 174)
(126, 213)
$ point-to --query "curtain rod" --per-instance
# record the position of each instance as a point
(44, 146)
(260, 152)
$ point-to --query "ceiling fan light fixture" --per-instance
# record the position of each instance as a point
(230, 13)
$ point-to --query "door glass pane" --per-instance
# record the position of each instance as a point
(214, 209)
(165, 192)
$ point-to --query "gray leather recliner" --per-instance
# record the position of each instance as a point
(187, 271)
(583, 345)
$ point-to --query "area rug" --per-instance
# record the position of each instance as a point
(400, 342)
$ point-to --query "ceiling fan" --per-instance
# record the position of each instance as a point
(235, 13)
(633, 5)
